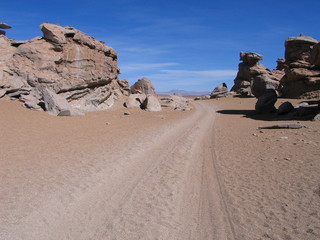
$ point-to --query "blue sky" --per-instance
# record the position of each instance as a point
(182, 44)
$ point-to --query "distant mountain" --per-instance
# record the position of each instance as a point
(184, 93)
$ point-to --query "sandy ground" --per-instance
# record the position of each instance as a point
(165, 175)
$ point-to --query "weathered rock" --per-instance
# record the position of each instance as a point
(315, 55)
(53, 33)
(250, 57)
(135, 100)
(55, 104)
(265, 103)
(280, 64)
(205, 97)
(5, 26)
(151, 103)
(317, 117)
(143, 86)
(74, 65)
(21, 91)
(284, 108)
(31, 102)
(253, 78)
(220, 91)
(302, 104)
(302, 69)
(2, 92)
(176, 102)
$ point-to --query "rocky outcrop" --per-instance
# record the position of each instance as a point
(176, 102)
(220, 91)
(143, 95)
(67, 61)
(302, 68)
(253, 79)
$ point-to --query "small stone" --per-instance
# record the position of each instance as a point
(126, 113)
(284, 138)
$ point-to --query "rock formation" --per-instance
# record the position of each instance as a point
(176, 102)
(65, 60)
(143, 86)
(4, 26)
(302, 68)
(151, 103)
(253, 79)
(220, 91)
(143, 95)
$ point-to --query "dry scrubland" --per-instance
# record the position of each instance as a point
(158, 175)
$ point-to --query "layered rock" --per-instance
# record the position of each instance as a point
(302, 68)
(176, 102)
(67, 61)
(253, 79)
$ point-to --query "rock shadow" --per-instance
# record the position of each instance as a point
(253, 114)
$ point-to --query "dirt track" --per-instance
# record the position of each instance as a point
(165, 175)
(160, 184)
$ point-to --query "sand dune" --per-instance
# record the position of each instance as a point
(159, 175)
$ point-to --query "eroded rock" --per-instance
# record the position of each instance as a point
(151, 104)
(253, 79)
(302, 68)
(176, 102)
(143, 86)
(74, 65)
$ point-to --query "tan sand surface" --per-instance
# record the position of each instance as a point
(157, 175)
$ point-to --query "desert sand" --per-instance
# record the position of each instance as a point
(197, 174)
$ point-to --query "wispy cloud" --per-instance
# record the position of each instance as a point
(205, 73)
(166, 79)
(191, 80)
(144, 67)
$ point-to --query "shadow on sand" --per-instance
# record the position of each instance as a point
(266, 116)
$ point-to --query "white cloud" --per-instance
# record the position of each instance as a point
(144, 67)
(205, 73)
(192, 80)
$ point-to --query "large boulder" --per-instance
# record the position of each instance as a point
(176, 102)
(143, 86)
(151, 104)
(220, 91)
(253, 79)
(74, 65)
(265, 103)
(302, 68)
(135, 100)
